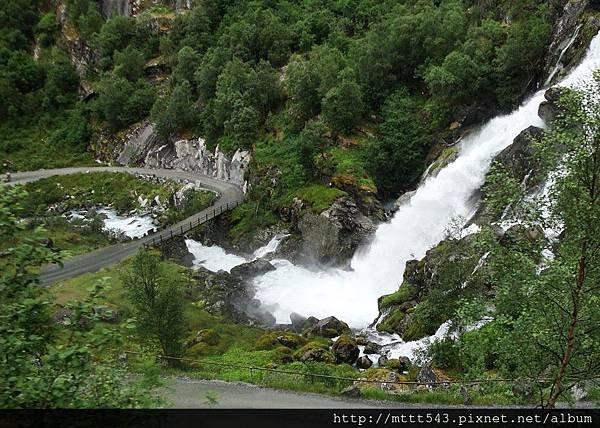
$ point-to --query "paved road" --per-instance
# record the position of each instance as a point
(195, 393)
(229, 195)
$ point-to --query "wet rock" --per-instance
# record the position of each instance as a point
(549, 108)
(345, 350)
(329, 327)
(519, 157)
(333, 236)
(364, 362)
(226, 295)
(300, 323)
(569, 37)
(400, 364)
(372, 348)
(382, 360)
(351, 392)
(176, 249)
(247, 271)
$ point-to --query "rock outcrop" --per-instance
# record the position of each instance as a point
(333, 236)
(572, 33)
(142, 147)
(225, 295)
(549, 108)
(247, 271)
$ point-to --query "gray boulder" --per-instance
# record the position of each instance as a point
(345, 350)
(364, 362)
(329, 327)
(226, 295)
(333, 236)
(247, 271)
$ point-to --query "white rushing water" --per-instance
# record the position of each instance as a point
(132, 226)
(216, 258)
(418, 225)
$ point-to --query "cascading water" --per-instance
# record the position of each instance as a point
(215, 258)
(418, 226)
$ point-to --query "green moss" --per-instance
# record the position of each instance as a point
(405, 293)
(392, 323)
(271, 340)
(319, 197)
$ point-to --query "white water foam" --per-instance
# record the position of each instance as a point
(133, 226)
(417, 226)
(215, 258)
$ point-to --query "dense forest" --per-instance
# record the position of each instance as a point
(331, 98)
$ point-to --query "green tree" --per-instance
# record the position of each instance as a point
(396, 155)
(157, 298)
(121, 102)
(176, 111)
(342, 105)
(44, 364)
(546, 307)
(46, 29)
(129, 63)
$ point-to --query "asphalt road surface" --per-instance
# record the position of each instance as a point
(229, 196)
(195, 393)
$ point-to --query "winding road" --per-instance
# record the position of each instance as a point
(230, 196)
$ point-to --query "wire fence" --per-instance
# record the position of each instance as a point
(381, 382)
(184, 227)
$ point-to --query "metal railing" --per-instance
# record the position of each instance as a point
(184, 227)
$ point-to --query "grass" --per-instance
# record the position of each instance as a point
(319, 197)
(118, 189)
(33, 147)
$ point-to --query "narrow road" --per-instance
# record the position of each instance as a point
(229, 196)
(195, 393)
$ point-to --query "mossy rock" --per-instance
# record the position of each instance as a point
(345, 350)
(315, 352)
(208, 336)
(405, 293)
(276, 339)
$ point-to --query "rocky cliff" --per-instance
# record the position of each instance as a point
(141, 146)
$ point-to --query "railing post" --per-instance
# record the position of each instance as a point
(182, 228)
(171, 233)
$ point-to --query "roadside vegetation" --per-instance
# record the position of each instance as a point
(48, 202)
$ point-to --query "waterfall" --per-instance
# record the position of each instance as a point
(216, 258)
(559, 66)
(271, 247)
(417, 226)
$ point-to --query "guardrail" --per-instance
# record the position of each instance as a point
(173, 231)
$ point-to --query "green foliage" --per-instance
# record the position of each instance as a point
(46, 29)
(342, 105)
(319, 197)
(85, 16)
(549, 309)
(44, 365)
(396, 155)
(175, 112)
(129, 63)
(121, 102)
(157, 300)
